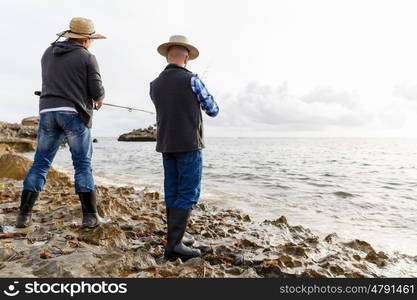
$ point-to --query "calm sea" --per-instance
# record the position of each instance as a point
(358, 188)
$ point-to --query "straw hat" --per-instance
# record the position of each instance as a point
(81, 28)
(178, 40)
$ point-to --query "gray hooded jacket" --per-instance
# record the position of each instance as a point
(70, 78)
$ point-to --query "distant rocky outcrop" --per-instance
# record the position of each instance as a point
(19, 137)
(139, 135)
(30, 121)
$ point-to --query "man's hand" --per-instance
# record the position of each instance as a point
(97, 104)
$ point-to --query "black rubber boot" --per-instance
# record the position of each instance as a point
(187, 241)
(91, 218)
(28, 199)
(177, 223)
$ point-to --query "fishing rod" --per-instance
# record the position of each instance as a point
(130, 109)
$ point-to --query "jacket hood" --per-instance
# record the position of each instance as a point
(61, 48)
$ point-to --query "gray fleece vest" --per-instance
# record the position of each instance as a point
(178, 112)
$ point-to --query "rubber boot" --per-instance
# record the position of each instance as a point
(177, 223)
(187, 241)
(28, 199)
(91, 218)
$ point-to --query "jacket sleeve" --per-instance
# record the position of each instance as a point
(207, 102)
(151, 91)
(95, 86)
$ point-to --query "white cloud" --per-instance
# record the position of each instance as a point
(277, 106)
(406, 90)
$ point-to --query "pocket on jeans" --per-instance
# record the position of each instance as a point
(72, 123)
(47, 122)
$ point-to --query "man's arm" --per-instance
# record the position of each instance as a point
(206, 99)
(95, 86)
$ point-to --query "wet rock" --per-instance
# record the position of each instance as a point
(315, 274)
(280, 221)
(16, 167)
(245, 243)
(7, 254)
(125, 190)
(336, 270)
(113, 264)
(289, 262)
(38, 234)
(292, 249)
(18, 138)
(139, 135)
(225, 255)
(354, 275)
(236, 271)
(249, 273)
(45, 254)
(53, 269)
(356, 257)
(104, 235)
(193, 268)
(361, 267)
(380, 259)
(13, 166)
(12, 235)
(246, 218)
(30, 121)
(17, 145)
(360, 245)
(273, 269)
(194, 262)
(143, 260)
(152, 196)
(330, 238)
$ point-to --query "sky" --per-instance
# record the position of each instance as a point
(297, 68)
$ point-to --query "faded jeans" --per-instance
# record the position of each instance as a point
(53, 127)
(182, 182)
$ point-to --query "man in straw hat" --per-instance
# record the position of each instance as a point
(179, 96)
(71, 88)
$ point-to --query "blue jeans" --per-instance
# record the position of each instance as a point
(183, 171)
(53, 127)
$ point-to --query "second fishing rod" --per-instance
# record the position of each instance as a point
(130, 109)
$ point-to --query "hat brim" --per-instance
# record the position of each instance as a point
(73, 35)
(193, 51)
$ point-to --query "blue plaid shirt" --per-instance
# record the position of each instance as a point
(206, 99)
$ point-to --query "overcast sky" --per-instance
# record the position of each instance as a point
(276, 68)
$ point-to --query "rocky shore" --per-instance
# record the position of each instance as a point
(130, 242)
(139, 135)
